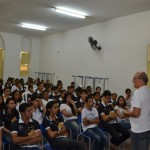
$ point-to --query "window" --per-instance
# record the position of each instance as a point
(24, 64)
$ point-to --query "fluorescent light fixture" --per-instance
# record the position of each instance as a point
(70, 12)
(33, 26)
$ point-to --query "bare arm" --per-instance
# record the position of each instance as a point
(87, 122)
(66, 114)
(74, 106)
(6, 130)
(109, 117)
(30, 139)
(120, 115)
(36, 139)
(135, 113)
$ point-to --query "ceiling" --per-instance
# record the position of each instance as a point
(14, 12)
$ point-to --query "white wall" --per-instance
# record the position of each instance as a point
(124, 43)
(12, 43)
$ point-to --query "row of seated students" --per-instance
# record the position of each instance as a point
(71, 105)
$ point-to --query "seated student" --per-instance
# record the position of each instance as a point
(17, 86)
(1, 127)
(76, 94)
(128, 97)
(119, 109)
(96, 99)
(113, 99)
(98, 89)
(2, 105)
(37, 111)
(9, 115)
(69, 112)
(108, 121)
(26, 96)
(45, 98)
(90, 121)
(55, 94)
(80, 103)
(25, 132)
(16, 95)
(56, 133)
(60, 99)
(39, 90)
(6, 93)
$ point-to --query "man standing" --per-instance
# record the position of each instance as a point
(25, 132)
(140, 113)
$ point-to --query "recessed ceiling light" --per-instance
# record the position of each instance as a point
(33, 26)
(70, 12)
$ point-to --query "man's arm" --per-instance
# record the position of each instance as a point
(135, 113)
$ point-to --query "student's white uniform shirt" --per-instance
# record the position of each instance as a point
(90, 115)
(68, 110)
(141, 99)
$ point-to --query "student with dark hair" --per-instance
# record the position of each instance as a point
(26, 96)
(80, 103)
(90, 121)
(113, 99)
(2, 104)
(39, 90)
(9, 83)
(17, 86)
(98, 89)
(17, 96)
(76, 94)
(45, 98)
(6, 93)
(96, 99)
(10, 115)
(128, 97)
(55, 94)
(108, 121)
(89, 89)
(38, 113)
(25, 132)
(69, 112)
(119, 109)
(60, 99)
(56, 132)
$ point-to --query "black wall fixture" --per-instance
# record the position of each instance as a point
(94, 44)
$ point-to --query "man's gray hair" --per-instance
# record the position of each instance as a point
(144, 77)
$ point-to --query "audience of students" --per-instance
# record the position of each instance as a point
(57, 110)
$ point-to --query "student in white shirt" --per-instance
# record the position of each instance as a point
(69, 112)
(45, 99)
(119, 109)
(37, 112)
(90, 121)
